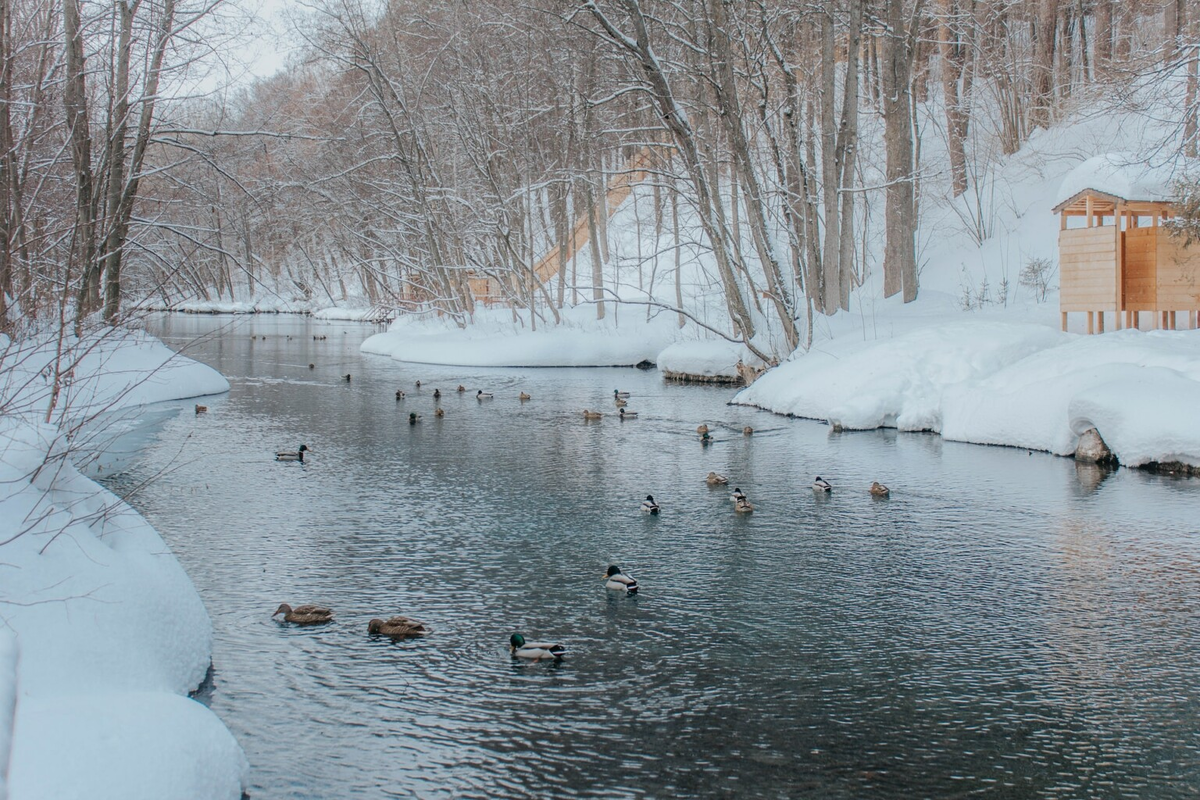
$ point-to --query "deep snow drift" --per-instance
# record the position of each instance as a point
(104, 634)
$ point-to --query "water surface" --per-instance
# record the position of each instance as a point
(1005, 625)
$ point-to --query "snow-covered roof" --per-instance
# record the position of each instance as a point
(1123, 175)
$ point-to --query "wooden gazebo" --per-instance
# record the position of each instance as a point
(1122, 258)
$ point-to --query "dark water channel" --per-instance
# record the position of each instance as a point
(1006, 625)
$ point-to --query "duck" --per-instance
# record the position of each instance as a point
(628, 414)
(413, 418)
(523, 397)
(304, 615)
(201, 409)
(437, 394)
(618, 581)
(396, 627)
(879, 490)
(649, 506)
(288, 455)
(346, 377)
(620, 395)
(418, 384)
(482, 395)
(534, 651)
(461, 388)
(743, 505)
(399, 394)
(822, 485)
(737, 496)
(747, 431)
(591, 414)
(622, 403)
(701, 429)
(439, 412)
(705, 438)
(312, 366)
(716, 479)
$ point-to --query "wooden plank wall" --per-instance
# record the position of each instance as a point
(1141, 251)
(1178, 273)
(1087, 268)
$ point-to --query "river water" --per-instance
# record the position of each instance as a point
(1007, 624)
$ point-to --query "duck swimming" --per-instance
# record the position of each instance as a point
(396, 627)
(705, 438)
(743, 505)
(413, 418)
(620, 395)
(738, 495)
(619, 582)
(747, 431)
(628, 414)
(437, 394)
(439, 412)
(622, 403)
(399, 395)
(461, 388)
(482, 395)
(716, 479)
(591, 414)
(879, 490)
(534, 651)
(649, 506)
(418, 384)
(346, 377)
(822, 485)
(288, 455)
(523, 397)
(701, 429)
(304, 615)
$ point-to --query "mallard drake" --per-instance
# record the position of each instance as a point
(622, 403)
(737, 496)
(345, 377)
(620, 395)
(879, 490)
(523, 397)
(201, 409)
(413, 418)
(822, 485)
(418, 384)
(288, 455)
(743, 505)
(591, 414)
(628, 414)
(618, 581)
(482, 395)
(396, 627)
(461, 388)
(312, 366)
(747, 431)
(399, 394)
(304, 615)
(437, 394)
(439, 412)
(649, 506)
(716, 479)
(705, 438)
(534, 651)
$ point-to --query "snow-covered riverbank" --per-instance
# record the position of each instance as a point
(106, 632)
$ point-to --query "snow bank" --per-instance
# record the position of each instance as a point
(8, 703)
(709, 359)
(111, 634)
(353, 312)
(1126, 175)
(107, 370)
(493, 341)
(1001, 383)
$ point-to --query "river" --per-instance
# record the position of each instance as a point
(1007, 624)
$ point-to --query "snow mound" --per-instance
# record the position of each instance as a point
(1007, 384)
(124, 746)
(1125, 175)
(493, 342)
(104, 371)
(711, 359)
(111, 634)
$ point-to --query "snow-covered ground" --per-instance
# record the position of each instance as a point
(351, 310)
(103, 633)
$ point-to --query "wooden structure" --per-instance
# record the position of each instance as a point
(1123, 260)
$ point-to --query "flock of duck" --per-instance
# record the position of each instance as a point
(615, 578)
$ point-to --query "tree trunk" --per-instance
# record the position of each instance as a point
(1043, 63)
(75, 100)
(896, 60)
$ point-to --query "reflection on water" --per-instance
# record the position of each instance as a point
(1005, 624)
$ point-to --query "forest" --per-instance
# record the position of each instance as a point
(428, 155)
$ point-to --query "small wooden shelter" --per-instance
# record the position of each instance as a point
(1114, 253)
